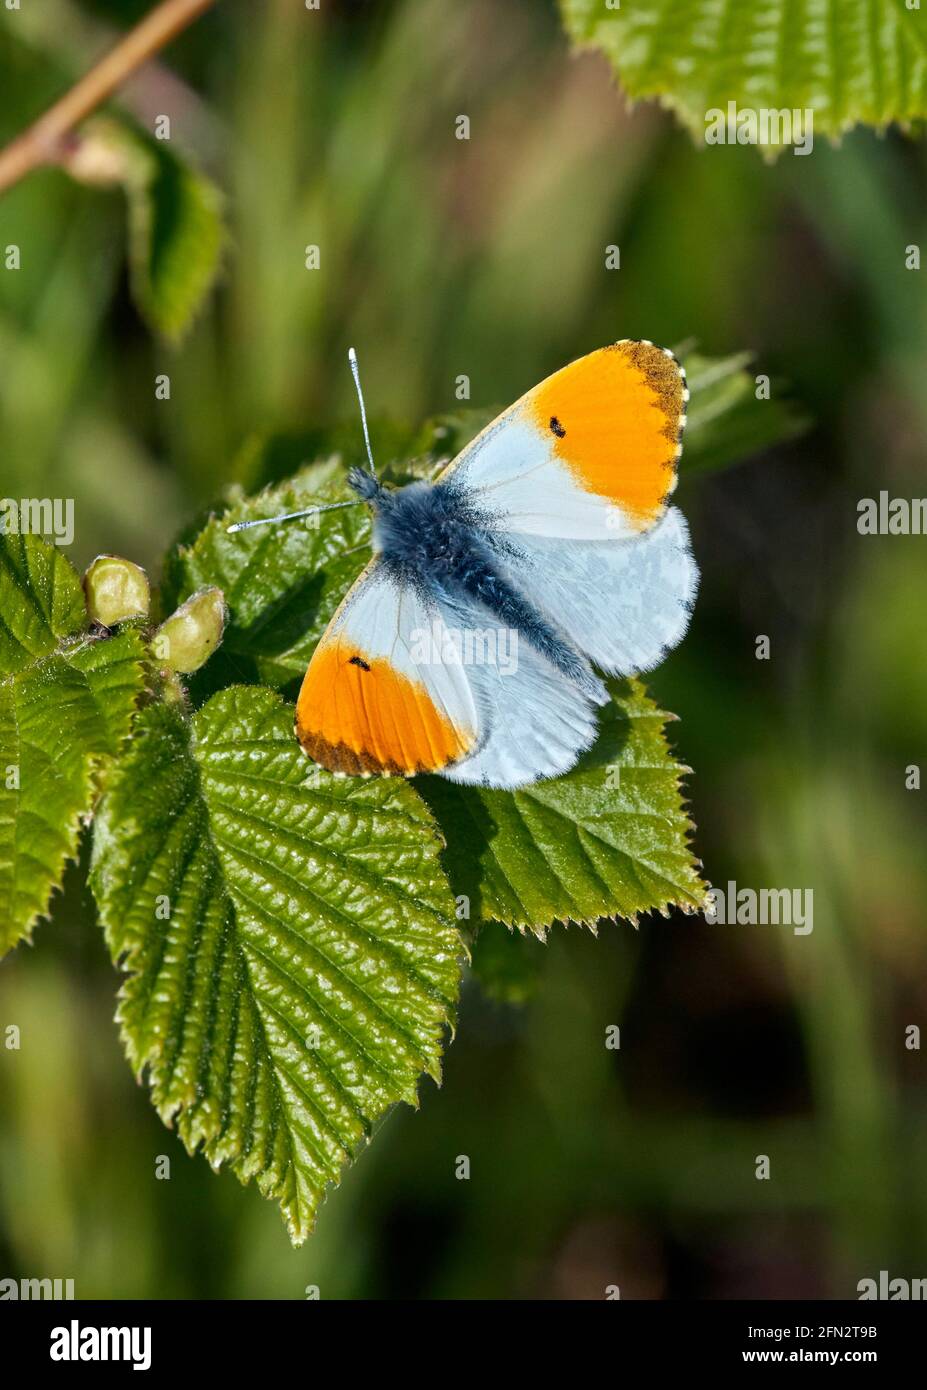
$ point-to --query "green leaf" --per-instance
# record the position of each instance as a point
(282, 584)
(62, 720)
(176, 231)
(66, 701)
(289, 937)
(726, 422)
(41, 600)
(176, 240)
(609, 839)
(846, 62)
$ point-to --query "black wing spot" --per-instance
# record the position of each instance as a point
(556, 426)
(359, 661)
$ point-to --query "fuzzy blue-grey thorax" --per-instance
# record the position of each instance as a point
(432, 537)
(429, 533)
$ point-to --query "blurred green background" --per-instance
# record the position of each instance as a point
(486, 257)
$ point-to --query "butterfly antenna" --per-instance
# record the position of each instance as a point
(290, 516)
(329, 506)
(352, 358)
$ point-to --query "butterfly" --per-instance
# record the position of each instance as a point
(545, 554)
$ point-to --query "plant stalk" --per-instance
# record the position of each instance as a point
(42, 143)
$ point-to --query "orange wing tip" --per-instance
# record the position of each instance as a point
(673, 390)
(684, 411)
(665, 376)
(358, 716)
(619, 415)
(344, 761)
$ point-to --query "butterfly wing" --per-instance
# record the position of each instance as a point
(403, 683)
(624, 603)
(370, 701)
(572, 483)
(589, 454)
(532, 721)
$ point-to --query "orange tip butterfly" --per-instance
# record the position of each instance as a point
(545, 552)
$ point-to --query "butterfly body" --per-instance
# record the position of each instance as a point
(431, 537)
(547, 548)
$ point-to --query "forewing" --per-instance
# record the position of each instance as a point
(590, 453)
(385, 692)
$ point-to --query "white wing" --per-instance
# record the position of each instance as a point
(624, 603)
(532, 721)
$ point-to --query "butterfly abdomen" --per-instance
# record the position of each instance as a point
(479, 579)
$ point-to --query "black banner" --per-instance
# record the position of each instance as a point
(242, 1338)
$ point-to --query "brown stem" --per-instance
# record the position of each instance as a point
(41, 143)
